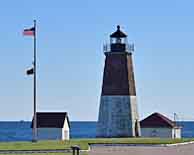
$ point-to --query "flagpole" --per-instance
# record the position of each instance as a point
(34, 63)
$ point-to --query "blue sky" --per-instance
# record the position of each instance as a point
(70, 57)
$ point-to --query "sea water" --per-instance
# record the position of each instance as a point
(21, 131)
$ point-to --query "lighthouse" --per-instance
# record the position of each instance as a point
(118, 113)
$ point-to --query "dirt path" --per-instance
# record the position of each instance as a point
(186, 149)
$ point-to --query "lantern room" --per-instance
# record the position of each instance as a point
(118, 41)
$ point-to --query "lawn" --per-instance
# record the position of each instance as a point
(44, 154)
(83, 143)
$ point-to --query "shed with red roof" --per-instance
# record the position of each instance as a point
(158, 125)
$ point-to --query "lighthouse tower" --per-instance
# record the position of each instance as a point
(118, 115)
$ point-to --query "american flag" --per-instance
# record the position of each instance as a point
(29, 32)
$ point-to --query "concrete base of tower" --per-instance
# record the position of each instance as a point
(118, 117)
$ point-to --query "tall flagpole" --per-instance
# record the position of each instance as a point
(34, 63)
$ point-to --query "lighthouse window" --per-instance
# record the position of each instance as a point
(118, 40)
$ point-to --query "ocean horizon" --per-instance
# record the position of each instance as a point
(11, 131)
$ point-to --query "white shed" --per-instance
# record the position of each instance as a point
(53, 126)
(158, 125)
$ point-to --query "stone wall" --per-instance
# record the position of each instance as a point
(117, 116)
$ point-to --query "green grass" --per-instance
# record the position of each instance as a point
(47, 154)
(44, 154)
(83, 143)
(81, 153)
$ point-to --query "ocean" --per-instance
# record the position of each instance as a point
(21, 131)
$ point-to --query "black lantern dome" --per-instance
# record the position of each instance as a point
(118, 41)
(118, 33)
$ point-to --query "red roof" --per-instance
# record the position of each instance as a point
(157, 120)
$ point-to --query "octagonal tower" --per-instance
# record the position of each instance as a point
(118, 114)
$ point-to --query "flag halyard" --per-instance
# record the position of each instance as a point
(29, 32)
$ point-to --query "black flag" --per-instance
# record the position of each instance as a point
(30, 71)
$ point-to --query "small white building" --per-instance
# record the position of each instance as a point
(158, 125)
(52, 126)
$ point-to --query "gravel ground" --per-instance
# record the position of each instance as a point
(186, 149)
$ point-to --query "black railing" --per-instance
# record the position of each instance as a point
(118, 47)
